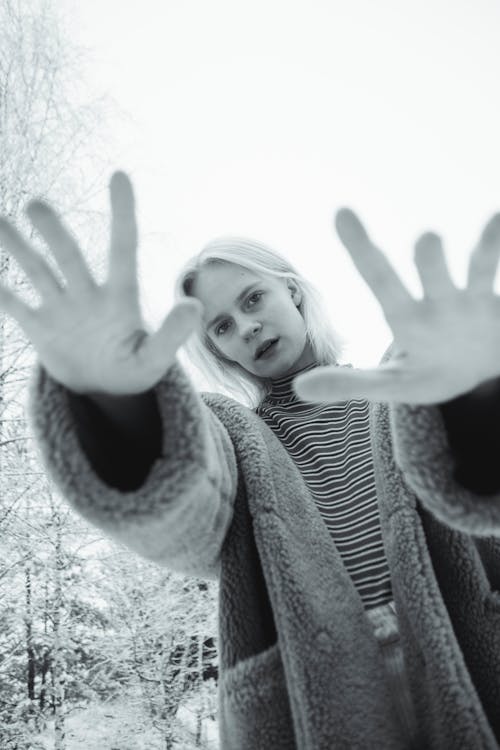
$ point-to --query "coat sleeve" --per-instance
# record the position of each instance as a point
(434, 448)
(180, 514)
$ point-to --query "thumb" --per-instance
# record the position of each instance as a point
(161, 347)
(331, 383)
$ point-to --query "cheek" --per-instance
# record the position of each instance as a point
(216, 347)
(291, 315)
(226, 346)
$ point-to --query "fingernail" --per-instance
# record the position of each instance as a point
(492, 229)
(119, 176)
(428, 239)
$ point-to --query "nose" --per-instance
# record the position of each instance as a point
(251, 330)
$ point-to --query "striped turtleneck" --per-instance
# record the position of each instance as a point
(330, 445)
(281, 388)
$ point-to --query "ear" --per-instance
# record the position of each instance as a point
(294, 291)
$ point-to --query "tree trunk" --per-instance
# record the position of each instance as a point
(29, 634)
(200, 713)
(199, 726)
(43, 675)
(58, 664)
(45, 658)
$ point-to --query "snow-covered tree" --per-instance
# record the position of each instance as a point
(46, 128)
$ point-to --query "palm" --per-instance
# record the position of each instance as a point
(445, 344)
(116, 331)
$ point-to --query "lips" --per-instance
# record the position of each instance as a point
(265, 345)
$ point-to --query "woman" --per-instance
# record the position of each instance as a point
(312, 654)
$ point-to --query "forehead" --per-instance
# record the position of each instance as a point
(227, 276)
(223, 282)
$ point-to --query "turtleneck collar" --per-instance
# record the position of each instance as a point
(281, 388)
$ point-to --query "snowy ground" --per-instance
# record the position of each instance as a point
(113, 727)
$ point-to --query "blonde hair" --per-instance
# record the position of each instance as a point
(326, 343)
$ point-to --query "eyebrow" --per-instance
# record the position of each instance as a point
(240, 296)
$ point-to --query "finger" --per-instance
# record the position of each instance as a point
(36, 268)
(432, 268)
(62, 244)
(122, 274)
(13, 306)
(159, 349)
(331, 384)
(483, 261)
(372, 264)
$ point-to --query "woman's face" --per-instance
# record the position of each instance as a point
(242, 309)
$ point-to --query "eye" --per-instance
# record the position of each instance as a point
(255, 294)
(217, 330)
(221, 326)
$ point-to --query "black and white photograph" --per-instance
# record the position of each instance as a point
(249, 375)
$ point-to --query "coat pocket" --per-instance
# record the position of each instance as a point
(254, 710)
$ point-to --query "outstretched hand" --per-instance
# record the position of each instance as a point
(90, 337)
(445, 344)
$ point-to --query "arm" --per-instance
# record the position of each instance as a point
(121, 436)
(179, 514)
(448, 345)
(165, 488)
(448, 462)
(472, 424)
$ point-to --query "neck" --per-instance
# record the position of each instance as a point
(281, 387)
(306, 358)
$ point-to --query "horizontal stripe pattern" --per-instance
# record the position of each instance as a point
(330, 445)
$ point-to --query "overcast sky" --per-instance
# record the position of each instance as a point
(262, 117)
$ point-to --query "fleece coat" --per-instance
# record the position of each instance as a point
(299, 666)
